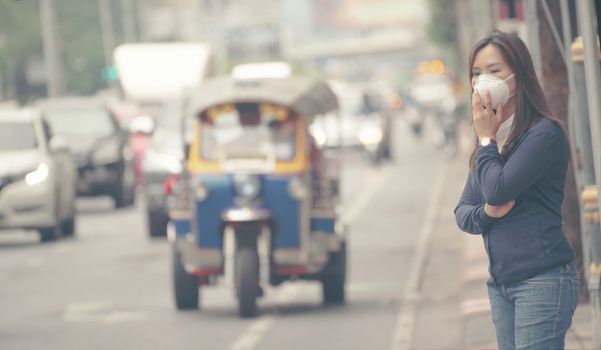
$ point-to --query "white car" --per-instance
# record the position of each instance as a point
(364, 123)
(37, 176)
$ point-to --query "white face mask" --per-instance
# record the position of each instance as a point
(499, 90)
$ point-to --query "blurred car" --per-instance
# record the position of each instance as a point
(375, 132)
(161, 161)
(434, 92)
(138, 121)
(436, 100)
(364, 123)
(37, 176)
(100, 149)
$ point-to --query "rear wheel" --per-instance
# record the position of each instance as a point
(69, 226)
(334, 278)
(247, 280)
(157, 223)
(185, 285)
(50, 234)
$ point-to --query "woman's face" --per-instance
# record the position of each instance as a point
(490, 61)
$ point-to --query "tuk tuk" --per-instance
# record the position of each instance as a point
(255, 180)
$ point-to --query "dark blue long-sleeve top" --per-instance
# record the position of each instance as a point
(529, 239)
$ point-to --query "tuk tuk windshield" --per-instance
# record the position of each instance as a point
(248, 131)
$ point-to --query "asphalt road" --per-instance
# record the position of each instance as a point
(110, 287)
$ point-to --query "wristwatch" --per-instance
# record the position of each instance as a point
(485, 141)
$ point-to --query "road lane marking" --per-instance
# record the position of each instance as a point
(254, 334)
(87, 311)
(257, 330)
(287, 293)
(411, 295)
(123, 316)
(99, 311)
(374, 184)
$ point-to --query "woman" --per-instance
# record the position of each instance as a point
(513, 197)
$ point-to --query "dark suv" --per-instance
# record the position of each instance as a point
(100, 149)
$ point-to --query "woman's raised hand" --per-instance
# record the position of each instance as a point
(486, 122)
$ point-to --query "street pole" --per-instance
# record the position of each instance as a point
(533, 35)
(2, 45)
(108, 35)
(588, 28)
(52, 52)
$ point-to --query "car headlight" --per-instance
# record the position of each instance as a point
(107, 153)
(297, 188)
(370, 136)
(247, 186)
(201, 192)
(319, 135)
(37, 176)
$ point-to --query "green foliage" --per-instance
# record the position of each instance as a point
(79, 33)
(79, 28)
(20, 37)
(441, 29)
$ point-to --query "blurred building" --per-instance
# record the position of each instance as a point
(326, 34)
(238, 30)
(477, 18)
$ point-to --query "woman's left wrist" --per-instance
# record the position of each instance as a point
(487, 135)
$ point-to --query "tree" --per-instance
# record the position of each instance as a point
(22, 41)
(441, 29)
(79, 30)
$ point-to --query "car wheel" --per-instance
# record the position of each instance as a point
(157, 223)
(53, 233)
(69, 226)
(123, 196)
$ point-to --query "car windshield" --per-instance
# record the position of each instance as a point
(81, 122)
(17, 136)
(248, 132)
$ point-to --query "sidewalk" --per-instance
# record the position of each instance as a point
(454, 311)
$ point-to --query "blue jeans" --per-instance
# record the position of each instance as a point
(535, 313)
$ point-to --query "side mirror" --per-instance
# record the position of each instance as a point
(58, 145)
(143, 124)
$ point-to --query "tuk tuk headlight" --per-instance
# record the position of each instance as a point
(201, 192)
(297, 189)
(247, 186)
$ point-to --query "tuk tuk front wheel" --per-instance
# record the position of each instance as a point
(247, 280)
(334, 278)
(185, 285)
